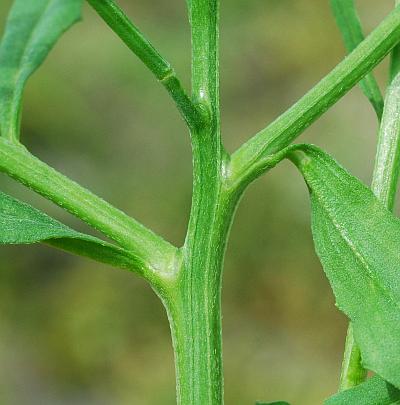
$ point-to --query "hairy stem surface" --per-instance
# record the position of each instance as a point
(195, 305)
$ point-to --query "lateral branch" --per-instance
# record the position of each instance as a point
(118, 21)
(152, 250)
(248, 162)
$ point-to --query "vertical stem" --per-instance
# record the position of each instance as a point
(384, 185)
(194, 307)
(386, 172)
(204, 20)
(195, 317)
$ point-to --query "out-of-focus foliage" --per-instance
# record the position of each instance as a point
(75, 332)
(33, 29)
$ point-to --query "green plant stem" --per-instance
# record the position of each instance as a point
(116, 19)
(194, 304)
(395, 57)
(195, 313)
(248, 162)
(384, 185)
(395, 62)
(386, 172)
(18, 163)
(204, 20)
(349, 23)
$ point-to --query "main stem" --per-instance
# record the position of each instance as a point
(194, 301)
(195, 315)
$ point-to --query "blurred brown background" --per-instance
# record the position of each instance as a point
(76, 332)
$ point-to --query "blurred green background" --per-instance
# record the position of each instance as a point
(76, 332)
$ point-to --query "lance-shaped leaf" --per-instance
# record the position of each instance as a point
(22, 224)
(350, 27)
(32, 29)
(358, 242)
(375, 391)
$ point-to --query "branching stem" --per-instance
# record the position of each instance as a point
(18, 163)
(194, 306)
(188, 280)
(248, 162)
(146, 52)
(349, 23)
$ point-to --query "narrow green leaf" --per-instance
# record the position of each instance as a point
(32, 29)
(375, 391)
(22, 224)
(358, 242)
(350, 26)
(348, 22)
